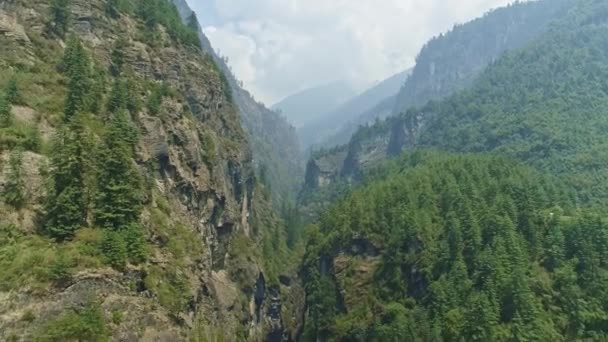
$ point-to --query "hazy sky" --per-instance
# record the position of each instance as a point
(279, 47)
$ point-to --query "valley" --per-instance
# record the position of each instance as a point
(146, 195)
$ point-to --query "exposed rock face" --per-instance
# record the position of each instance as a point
(201, 165)
(274, 141)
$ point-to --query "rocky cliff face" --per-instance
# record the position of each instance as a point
(274, 142)
(204, 218)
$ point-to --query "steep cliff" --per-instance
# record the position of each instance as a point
(274, 142)
(199, 254)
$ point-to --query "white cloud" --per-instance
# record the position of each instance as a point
(278, 47)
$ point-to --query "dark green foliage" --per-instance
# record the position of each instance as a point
(114, 248)
(118, 97)
(471, 248)
(155, 100)
(60, 17)
(118, 56)
(87, 324)
(6, 116)
(14, 192)
(118, 200)
(545, 104)
(96, 91)
(163, 12)
(67, 199)
(293, 223)
(75, 65)
(113, 8)
(136, 243)
(60, 270)
(193, 22)
(13, 95)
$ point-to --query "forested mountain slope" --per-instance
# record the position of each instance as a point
(543, 103)
(129, 205)
(273, 140)
(452, 62)
(443, 247)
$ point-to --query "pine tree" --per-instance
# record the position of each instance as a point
(155, 100)
(135, 243)
(67, 201)
(6, 117)
(113, 8)
(118, 200)
(114, 248)
(14, 192)
(554, 246)
(193, 22)
(133, 102)
(118, 100)
(118, 56)
(97, 86)
(148, 11)
(13, 96)
(60, 14)
(76, 64)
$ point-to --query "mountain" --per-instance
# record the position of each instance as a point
(502, 237)
(457, 247)
(503, 30)
(274, 142)
(130, 208)
(313, 104)
(452, 62)
(336, 126)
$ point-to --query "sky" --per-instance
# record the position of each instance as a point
(280, 47)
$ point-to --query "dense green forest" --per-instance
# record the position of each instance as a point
(452, 61)
(457, 247)
(545, 104)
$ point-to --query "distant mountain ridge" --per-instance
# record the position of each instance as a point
(339, 125)
(312, 104)
(336, 126)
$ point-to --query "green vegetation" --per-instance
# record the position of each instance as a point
(75, 65)
(14, 192)
(6, 117)
(470, 248)
(545, 105)
(67, 199)
(118, 200)
(60, 17)
(13, 95)
(163, 12)
(87, 324)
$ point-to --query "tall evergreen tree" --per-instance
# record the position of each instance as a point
(76, 64)
(67, 201)
(118, 56)
(118, 97)
(13, 95)
(60, 15)
(14, 192)
(6, 117)
(118, 200)
(193, 22)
